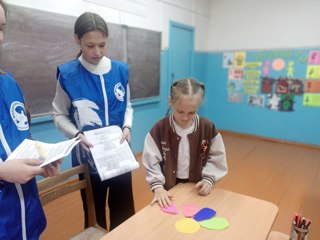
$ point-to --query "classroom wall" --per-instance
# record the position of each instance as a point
(259, 24)
(263, 116)
(147, 14)
(263, 26)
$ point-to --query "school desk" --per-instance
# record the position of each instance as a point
(249, 218)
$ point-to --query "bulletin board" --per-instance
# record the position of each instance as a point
(277, 80)
(272, 93)
(37, 41)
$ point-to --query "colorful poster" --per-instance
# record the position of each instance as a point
(273, 102)
(312, 86)
(239, 59)
(235, 97)
(314, 57)
(267, 85)
(227, 60)
(286, 102)
(235, 74)
(282, 85)
(256, 100)
(313, 72)
(311, 99)
(295, 86)
(234, 86)
(275, 79)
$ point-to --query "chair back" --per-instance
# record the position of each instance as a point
(67, 182)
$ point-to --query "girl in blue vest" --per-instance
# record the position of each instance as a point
(21, 213)
(92, 92)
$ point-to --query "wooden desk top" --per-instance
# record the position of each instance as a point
(249, 218)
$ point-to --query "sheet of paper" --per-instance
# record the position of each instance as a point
(49, 152)
(110, 156)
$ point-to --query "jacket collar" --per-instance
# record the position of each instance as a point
(102, 67)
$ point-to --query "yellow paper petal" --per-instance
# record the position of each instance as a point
(187, 225)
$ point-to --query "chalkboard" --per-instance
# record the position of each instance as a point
(37, 41)
(143, 49)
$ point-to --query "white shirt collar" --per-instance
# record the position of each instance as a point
(102, 67)
(183, 131)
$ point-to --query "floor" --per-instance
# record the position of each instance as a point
(287, 175)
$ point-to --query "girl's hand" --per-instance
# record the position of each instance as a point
(203, 188)
(20, 170)
(52, 169)
(84, 142)
(161, 196)
(125, 135)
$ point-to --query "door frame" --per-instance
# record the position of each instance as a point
(176, 25)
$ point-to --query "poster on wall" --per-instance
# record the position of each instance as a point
(314, 57)
(239, 60)
(311, 99)
(275, 79)
(227, 60)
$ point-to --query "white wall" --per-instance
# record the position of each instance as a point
(219, 24)
(147, 14)
(263, 24)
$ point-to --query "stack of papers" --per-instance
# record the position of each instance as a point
(49, 152)
(110, 156)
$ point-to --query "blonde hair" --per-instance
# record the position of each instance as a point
(186, 87)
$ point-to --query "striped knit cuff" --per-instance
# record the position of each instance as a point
(153, 186)
(209, 180)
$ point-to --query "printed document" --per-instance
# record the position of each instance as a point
(110, 156)
(49, 152)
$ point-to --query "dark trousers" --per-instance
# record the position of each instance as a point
(120, 199)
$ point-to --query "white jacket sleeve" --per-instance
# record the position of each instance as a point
(61, 105)
(151, 158)
(216, 166)
(128, 116)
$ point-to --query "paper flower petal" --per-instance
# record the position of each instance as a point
(189, 210)
(204, 214)
(187, 225)
(215, 223)
(172, 209)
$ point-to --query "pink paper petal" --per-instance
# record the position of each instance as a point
(171, 209)
(189, 210)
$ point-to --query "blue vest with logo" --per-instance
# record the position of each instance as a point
(19, 203)
(95, 102)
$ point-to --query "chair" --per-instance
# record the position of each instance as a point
(55, 187)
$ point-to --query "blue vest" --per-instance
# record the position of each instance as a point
(15, 128)
(81, 85)
(88, 101)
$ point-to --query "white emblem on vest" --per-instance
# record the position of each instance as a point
(18, 115)
(119, 91)
(85, 115)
